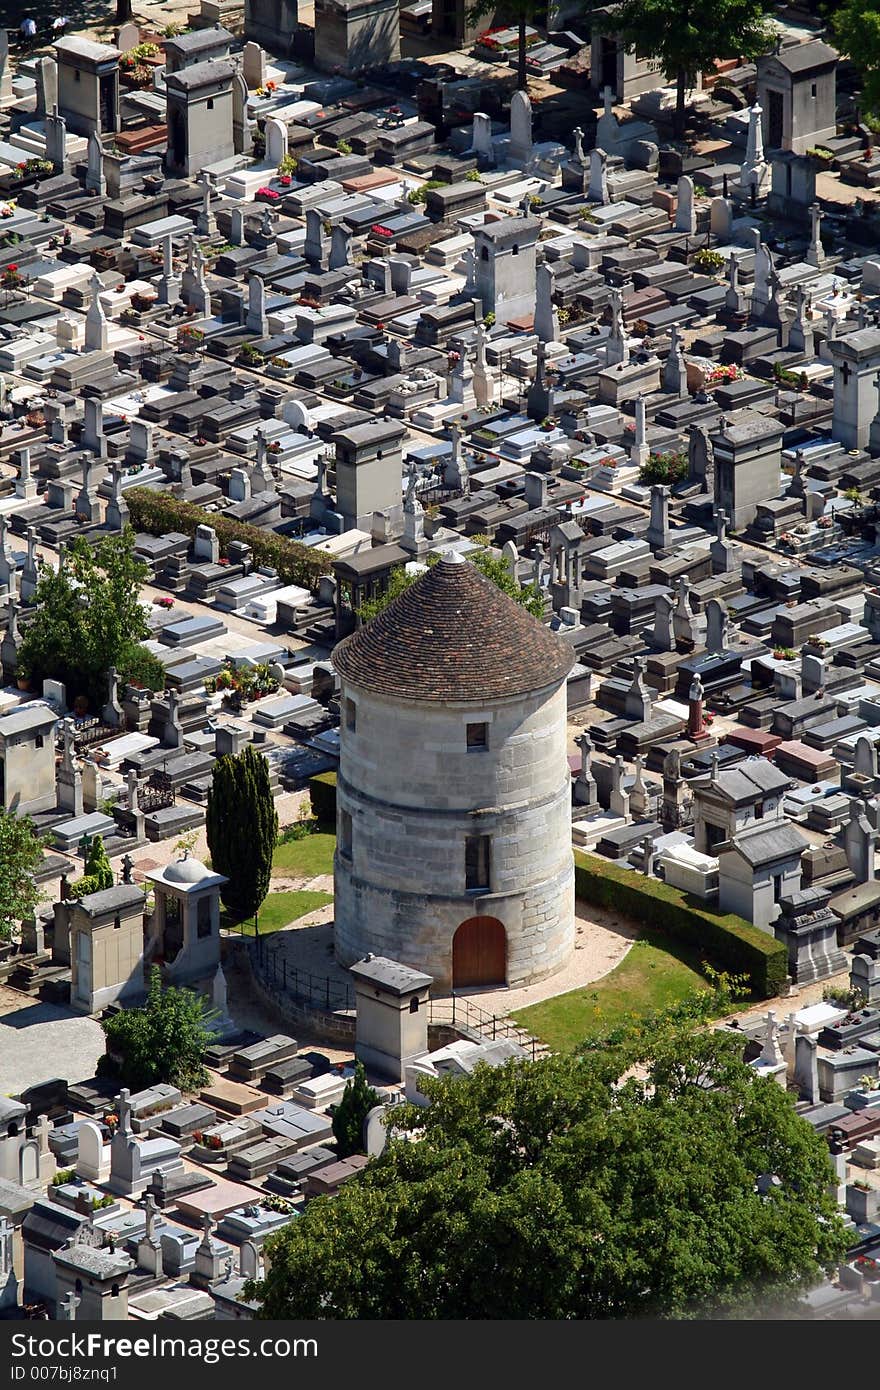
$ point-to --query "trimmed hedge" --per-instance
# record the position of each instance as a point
(322, 794)
(158, 512)
(732, 943)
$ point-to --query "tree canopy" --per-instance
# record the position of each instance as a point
(242, 829)
(87, 617)
(857, 31)
(573, 1187)
(164, 1041)
(494, 568)
(21, 850)
(686, 37)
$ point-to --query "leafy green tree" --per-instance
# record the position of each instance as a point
(857, 31)
(87, 618)
(519, 12)
(358, 1100)
(686, 37)
(97, 871)
(574, 1187)
(494, 568)
(242, 829)
(164, 1041)
(21, 850)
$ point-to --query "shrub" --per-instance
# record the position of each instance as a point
(708, 260)
(62, 1176)
(733, 943)
(667, 468)
(420, 195)
(322, 794)
(157, 513)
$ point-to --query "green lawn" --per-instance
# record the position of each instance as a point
(654, 974)
(279, 910)
(306, 858)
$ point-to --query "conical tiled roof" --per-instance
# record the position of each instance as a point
(453, 635)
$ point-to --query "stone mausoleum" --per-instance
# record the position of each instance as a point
(453, 796)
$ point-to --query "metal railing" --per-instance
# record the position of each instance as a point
(331, 996)
(315, 991)
(89, 731)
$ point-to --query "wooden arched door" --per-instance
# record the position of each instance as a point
(479, 953)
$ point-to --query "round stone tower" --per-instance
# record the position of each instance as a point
(453, 847)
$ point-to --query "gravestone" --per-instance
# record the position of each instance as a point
(481, 137)
(685, 213)
(276, 140)
(520, 129)
(95, 180)
(254, 65)
(90, 1162)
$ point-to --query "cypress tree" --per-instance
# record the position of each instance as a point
(358, 1099)
(242, 829)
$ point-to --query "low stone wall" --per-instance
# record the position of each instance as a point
(318, 1023)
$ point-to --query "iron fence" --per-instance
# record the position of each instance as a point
(331, 996)
(315, 991)
(90, 731)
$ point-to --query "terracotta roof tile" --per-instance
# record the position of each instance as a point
(453, 635)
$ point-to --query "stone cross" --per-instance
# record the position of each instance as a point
(579, 145)
(56, 140)
(772, 1052)
(69, 1305)
(150, 1209)
(207, 222)
(637, 703)
(207, 1228)
(619, 800)
(675, 370)
(648, 855)
(585, 744)
(123, 1104)
(816, 252)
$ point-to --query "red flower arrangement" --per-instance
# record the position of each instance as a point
(269, 193)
